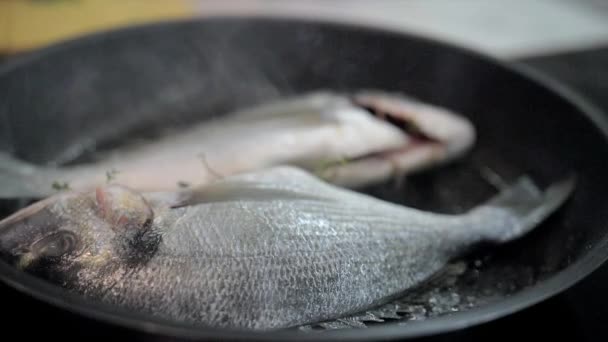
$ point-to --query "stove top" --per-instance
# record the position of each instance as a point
(579, 314)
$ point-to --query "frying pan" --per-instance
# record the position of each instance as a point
(61, 103)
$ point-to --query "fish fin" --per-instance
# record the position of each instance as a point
(313, 101)
(18, 179)
(525, 205)
(226, 192)
(171, 199)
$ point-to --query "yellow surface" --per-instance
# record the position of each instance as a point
(28, 24)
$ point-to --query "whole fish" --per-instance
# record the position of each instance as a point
(351, 140)
(267, 249)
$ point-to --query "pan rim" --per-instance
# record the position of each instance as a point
(589, 262)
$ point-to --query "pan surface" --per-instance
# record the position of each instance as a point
(61, 104)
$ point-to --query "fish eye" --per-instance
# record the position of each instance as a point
(55, 245)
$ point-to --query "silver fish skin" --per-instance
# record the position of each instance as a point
(325, 132)
(264, 250)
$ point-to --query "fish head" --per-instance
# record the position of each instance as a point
(95, 230)
(423, 122)
(429, 136)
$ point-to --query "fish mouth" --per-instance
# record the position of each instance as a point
(417, 137)
(23, 228)
(435, 136)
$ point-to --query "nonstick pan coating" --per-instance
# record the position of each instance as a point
(60, 104)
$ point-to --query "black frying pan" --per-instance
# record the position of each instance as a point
(59, 104)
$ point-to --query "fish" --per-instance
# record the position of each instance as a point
(263, 250)
(351, 139)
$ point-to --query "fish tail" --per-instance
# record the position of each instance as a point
(520, 207)
(20, 179)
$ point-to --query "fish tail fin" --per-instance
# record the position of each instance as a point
(20, 179)
(521, 207)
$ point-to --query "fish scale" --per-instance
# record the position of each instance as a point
(330, 265)
(303, 251)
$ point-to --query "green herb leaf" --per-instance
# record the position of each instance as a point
(60, 186)
(111, 175)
